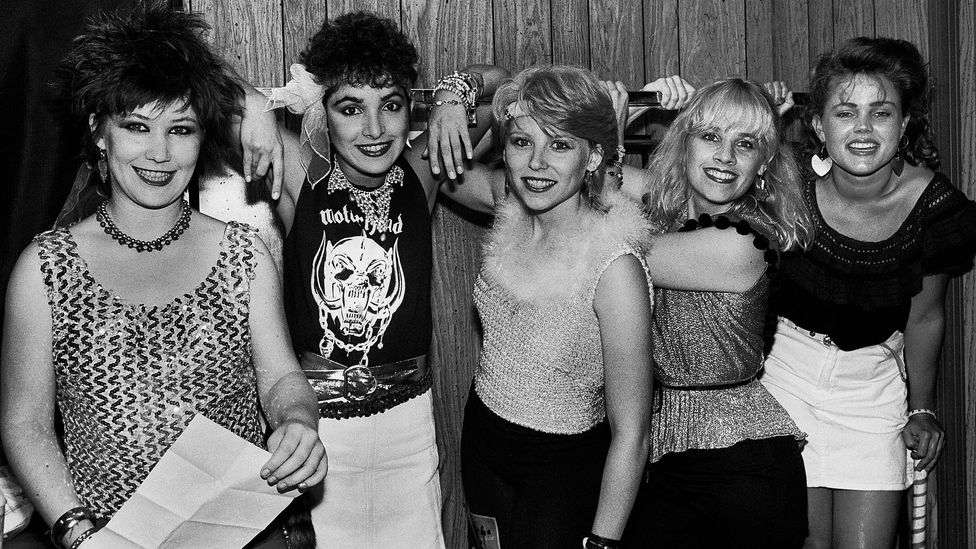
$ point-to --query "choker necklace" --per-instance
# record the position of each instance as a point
(375, 203)
(171, 235)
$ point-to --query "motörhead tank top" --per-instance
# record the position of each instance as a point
(357, 267)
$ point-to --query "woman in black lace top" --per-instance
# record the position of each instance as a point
(863, 309)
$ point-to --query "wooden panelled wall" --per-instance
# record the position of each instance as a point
(633, 41)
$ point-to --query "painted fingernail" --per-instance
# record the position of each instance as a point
(274, 196)
(302, 486)
(272, 480)
(265, 473)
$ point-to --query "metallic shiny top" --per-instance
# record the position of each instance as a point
(708, 348)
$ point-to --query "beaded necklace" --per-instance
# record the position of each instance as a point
(140, 246)
(375, 203)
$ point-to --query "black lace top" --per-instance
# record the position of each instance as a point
(859, 293)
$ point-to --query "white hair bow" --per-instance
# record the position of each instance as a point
(303, 95)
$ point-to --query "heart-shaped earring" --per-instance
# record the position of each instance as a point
(821, 162)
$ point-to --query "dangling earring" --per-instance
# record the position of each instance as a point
(102, 165)
(588, 176)
(898, 162)
(761, 189)
(821, 161)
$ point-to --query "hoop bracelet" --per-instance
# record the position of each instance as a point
(918, 411)
(67, 521)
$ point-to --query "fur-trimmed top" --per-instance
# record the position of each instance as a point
(542, 361)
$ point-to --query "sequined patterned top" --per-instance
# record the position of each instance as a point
(708, 348)
(542, 362)
(130, 377)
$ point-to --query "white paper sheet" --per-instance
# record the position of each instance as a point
(204, 493)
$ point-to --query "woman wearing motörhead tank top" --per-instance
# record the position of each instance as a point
(357, 264)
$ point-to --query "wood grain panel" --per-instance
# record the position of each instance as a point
(384, 8)
(571, 33)
(616, 52)
(450, 35)
(523, 33)
(905, 19)
(248, 35)
(662, 52)
(791, 43)
(853, 18)
(712, 38)
(302, 19)
(820, 25)
(966, 22)
(760, 48)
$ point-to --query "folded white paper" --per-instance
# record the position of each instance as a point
(205, 492)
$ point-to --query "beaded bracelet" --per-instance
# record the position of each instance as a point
(67, 521)
(594, 541)
(918, 411)
(440, 102)
(81, 539)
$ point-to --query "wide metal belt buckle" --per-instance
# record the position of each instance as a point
(359, 382)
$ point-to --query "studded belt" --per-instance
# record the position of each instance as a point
(822, 338)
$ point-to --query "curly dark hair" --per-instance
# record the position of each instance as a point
(898, 61)
(127, 59)
(360, 48)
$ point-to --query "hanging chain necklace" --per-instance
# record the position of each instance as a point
(375, 203)
(171, 235)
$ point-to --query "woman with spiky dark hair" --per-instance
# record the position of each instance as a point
(137, 318)
(355, 202)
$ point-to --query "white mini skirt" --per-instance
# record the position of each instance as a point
(852, 405)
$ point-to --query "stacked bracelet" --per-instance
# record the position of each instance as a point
(67, 521)
(594, 541)
(465, 86)
(918, 411)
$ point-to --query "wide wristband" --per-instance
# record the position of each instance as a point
(594, 541)
(67, 521)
